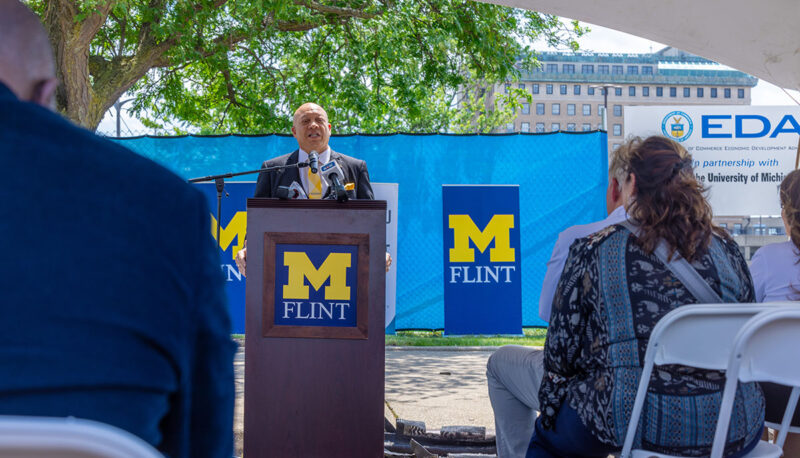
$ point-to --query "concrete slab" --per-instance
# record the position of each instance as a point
(441, 387)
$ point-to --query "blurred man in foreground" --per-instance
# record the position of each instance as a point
(111, 296)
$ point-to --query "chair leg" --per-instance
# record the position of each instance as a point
(638, 403)
(787, 416)
(725, 409)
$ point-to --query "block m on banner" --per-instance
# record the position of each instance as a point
(482, 287)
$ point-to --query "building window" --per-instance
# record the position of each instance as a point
(570, 109)
(563, 89)
(539, 108)
(616, 69)
(526, 108)
(633, 69)
(587, 109)
(576, 89)
(647, 70)
(772, 231)
(535, 88)
(659, 91)
(568, 68)
(632, 91)
(525, 127)
(508, 88)
(552, 68)
(548, 88)
(687, 92)
(587, 127)
(510, 127)
(521, 85)
(539, 127)
(700, 92)
(600, 109)
(617, 130)
(602, 69)
(737, 228)
(587, 69)
(599, 126)
(618, 91)
(555, 127)
(646, 91)
(617, 110)
(673, 92)
(571, 127)
(727, 92)
(590, 90)
(556, 109)
(713, 93)
(740, 93)
(616, 145)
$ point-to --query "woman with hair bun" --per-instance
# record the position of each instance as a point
(613, 291)
(776, 277)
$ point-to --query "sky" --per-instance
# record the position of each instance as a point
(600, 39)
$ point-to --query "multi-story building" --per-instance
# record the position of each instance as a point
(568, 89)
(568, 95)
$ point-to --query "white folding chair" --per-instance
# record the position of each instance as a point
(700, 336)
(48, 437)
(759, 355)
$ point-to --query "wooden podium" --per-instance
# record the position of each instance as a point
(314, 332)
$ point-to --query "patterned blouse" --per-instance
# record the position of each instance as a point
(608, 300)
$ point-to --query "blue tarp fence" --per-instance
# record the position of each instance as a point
(562, 179)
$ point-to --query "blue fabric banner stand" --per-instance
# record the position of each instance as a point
(482, 268)
(232, 233)
(562, 184)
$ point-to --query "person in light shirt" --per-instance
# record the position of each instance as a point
(514, 373)
(776, 277)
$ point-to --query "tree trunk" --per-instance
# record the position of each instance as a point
(74, 94)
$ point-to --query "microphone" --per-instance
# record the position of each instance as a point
(313, 161)
(295, 191)
(333, 175)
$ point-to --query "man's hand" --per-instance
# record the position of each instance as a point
(388, 261)
(241, 259)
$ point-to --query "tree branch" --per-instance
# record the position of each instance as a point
(336, 10)
(92, 24)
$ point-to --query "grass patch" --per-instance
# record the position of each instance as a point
(532, 337)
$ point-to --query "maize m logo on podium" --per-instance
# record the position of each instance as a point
(315, 285)
(482, 280)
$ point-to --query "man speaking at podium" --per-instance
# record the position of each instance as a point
(311, 128)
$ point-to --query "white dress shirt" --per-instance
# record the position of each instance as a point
(324, 158)
(556, 263)
(776, 273)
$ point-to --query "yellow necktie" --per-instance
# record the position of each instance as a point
(314, 185)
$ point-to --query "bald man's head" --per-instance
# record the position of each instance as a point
(26, 58)
(311, 128)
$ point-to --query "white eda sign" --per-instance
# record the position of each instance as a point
(742, 153)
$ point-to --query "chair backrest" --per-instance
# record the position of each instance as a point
(45, 437)
(764, 344)
(700, 335)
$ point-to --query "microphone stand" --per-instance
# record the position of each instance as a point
(219, 180)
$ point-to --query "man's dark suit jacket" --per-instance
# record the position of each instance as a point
(111, 295)
(355, 171)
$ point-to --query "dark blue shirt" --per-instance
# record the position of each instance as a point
(110, 289)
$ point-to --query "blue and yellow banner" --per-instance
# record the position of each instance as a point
(231, 239)
(482, 268)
